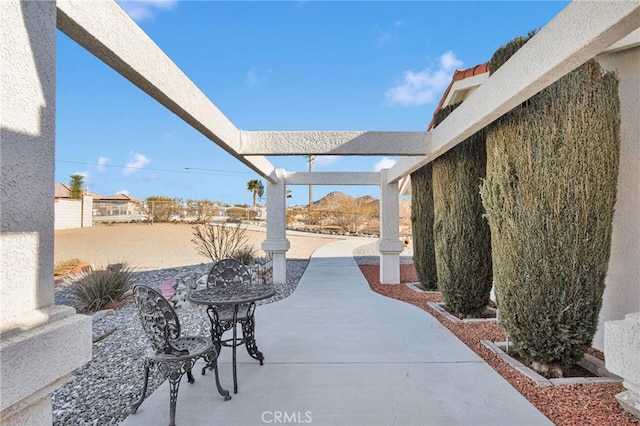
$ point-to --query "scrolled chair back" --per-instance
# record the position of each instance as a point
(159, 320)
(228, 272)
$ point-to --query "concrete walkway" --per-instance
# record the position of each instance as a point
(336, 353)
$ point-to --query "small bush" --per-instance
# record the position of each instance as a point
(245, 255)
(222, 241)
(98, 288)
(65, 267)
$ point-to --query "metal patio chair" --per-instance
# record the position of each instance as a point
(171, 354)
(231, 272)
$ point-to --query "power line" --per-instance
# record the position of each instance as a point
(186, 170)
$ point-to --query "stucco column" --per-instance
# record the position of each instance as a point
(276, 243)
(40, 343)
(622, 349)
(389, 244)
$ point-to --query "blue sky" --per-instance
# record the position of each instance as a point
(306, 65)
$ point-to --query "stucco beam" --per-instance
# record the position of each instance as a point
(578, 33)
(334, 143)
(107, 32)
(332, 178)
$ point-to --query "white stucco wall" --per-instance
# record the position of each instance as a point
(622, 292)
(40, 343)
(68, 214)
(71, 214)
(87, 211)
(28, 126)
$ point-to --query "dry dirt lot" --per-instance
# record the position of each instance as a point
(157, 246)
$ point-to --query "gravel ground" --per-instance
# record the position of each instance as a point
(570, 405)
(100, 393)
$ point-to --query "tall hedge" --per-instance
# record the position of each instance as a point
(549, 195)
(424, 258)
(461, 234)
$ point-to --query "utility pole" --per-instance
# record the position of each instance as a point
(310, 159)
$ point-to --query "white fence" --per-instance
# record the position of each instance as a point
(71, 214)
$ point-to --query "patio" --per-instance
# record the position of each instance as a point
(332, 357)
(315, 362)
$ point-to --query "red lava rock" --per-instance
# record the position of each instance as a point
(114, 304)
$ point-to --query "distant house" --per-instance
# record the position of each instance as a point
(94, 207)
(118, 208)
(63, 192)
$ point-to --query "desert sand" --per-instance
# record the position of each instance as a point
(157, 246)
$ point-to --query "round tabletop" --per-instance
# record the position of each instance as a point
(231, 295)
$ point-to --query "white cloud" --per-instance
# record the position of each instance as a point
(254, 77)
(385, 163)
(449, 62)
(139, 10)
(123, 191)
(137, 162)
(423, 87)
(325, 160)
(102, 162)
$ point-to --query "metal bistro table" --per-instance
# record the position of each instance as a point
(232, 296)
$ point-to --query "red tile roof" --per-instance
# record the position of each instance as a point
(457, 76)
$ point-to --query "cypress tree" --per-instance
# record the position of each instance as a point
(424, 258)
(552, 167)
(461, 234)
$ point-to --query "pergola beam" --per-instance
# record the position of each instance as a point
(580, 32)
(334, 143)
(107, 32)
(332, 178)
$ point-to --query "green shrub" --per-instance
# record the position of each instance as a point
(461, 234)
(98, 288)
(549, 195)
(237, 212)
(424, 258)
(245, 255)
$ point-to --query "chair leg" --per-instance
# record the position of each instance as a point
(212, 364)
(134, 407)
(190, 378)
(174, 385)
(249, 335)
(223, 392)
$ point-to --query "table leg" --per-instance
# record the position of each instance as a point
(235, 345)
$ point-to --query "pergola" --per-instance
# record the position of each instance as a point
(41, 333)
(136, 57)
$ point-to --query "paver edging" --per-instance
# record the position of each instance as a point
(438, 306)
(588, 362)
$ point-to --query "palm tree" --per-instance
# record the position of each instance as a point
(76, 186)
(252, 186)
